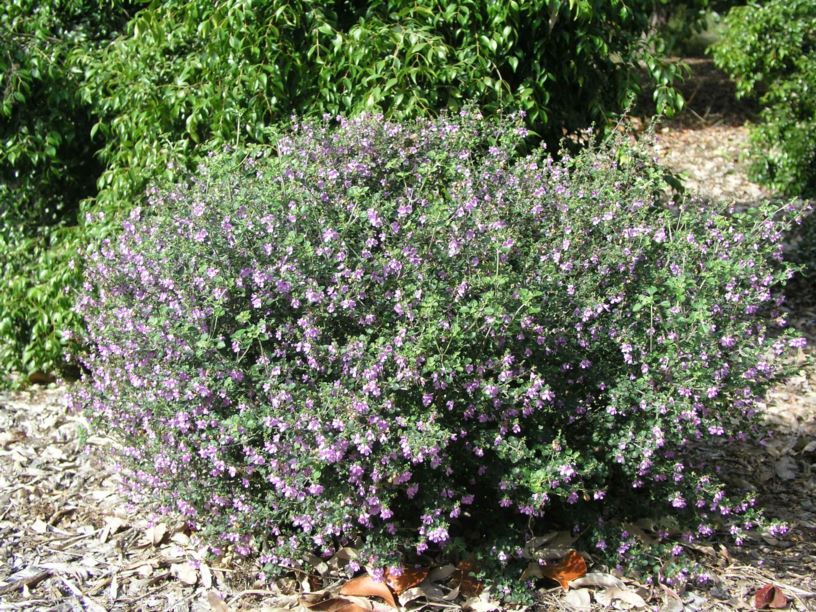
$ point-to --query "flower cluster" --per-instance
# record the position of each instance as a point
(388, 333)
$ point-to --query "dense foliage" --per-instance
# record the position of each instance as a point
(190, 71)
(156, 79)
(391, 334)
(769, 49)
(47, 166)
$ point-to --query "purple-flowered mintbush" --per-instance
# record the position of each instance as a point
(392, 333)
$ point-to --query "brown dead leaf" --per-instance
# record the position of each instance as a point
(770, 596)
(467, 584)
(335, 604)
(366, 586)
(407, 579)
(569, 568)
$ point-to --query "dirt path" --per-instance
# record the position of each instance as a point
(68, 541)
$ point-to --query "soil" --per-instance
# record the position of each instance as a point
(68, 540)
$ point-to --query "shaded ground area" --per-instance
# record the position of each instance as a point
(710, 98)
(68, 541)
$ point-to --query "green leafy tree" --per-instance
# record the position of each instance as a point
(769, 50)
(47, 166)
(189, 71)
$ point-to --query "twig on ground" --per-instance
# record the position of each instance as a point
(29, 581)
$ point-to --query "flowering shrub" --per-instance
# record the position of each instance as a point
(390, 334)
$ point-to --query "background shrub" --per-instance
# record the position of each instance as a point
(387, 335)
(191, 71)
(47, 166)
(769, 50)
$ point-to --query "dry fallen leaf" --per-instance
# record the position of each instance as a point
(438, 574)
(9, 437)
(366, 586)
(39, 526)
(185, 573)
(206, 576)
(410, 595)
(113, 525)
(607, 596)
(569, 568)
(578, 599)
(672, 605)
(154, 535)
(598, 579)
(640, 534)
(467, 584)
(342, 557)
(482, 603)
(144, 570)
(407, 579)
(770, 596)
(335, 604)
(318, 564)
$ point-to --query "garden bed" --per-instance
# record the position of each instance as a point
(68, 540)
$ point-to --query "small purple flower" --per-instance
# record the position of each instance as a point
(374, 217)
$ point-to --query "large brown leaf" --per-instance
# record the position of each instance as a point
(569, 568)
(366, 586)
(407, 579)
(467, 584)
(770, 596)
(334, 604)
